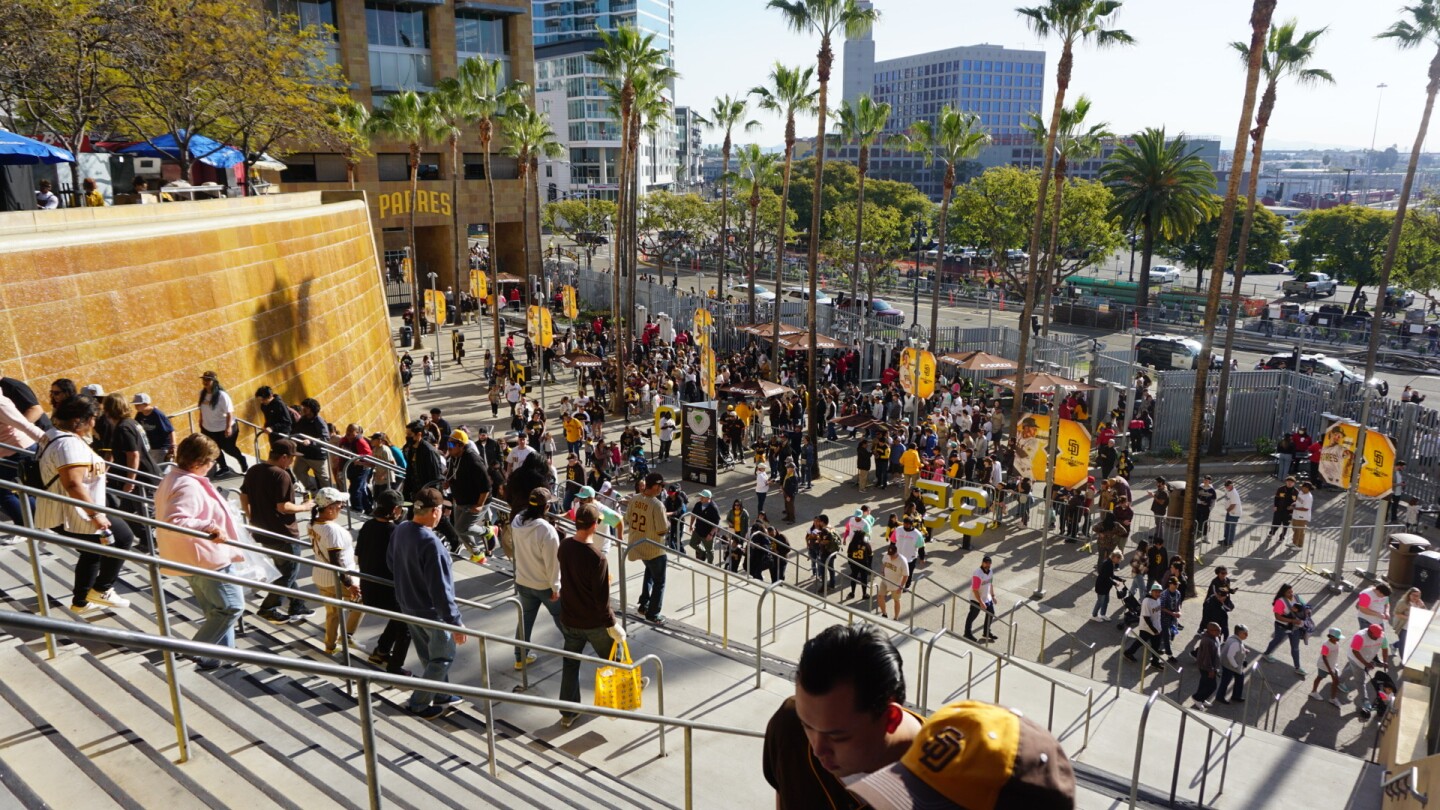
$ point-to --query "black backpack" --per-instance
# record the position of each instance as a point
(28, 468)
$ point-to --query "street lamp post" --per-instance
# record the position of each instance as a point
(435, 323)
(917, 345)
(1133, 240)
(1370, 162)
(920, 233)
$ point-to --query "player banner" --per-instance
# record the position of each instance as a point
(539, 325)
(434, 307)
(1337, 460)
(707, 367)
(1072, 458)
(699, 443)
(571, 309)
(927, 373)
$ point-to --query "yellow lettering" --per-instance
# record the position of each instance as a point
(964, 503)
(384, 200)
(445, 204)
(433, 200)
(933, 494)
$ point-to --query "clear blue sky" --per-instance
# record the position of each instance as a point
(1181, 74)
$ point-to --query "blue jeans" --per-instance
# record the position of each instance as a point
(1102, 603)
(289, 569)
(652, 587)
(1232, 522)
(359, 487)
(815, 563)
(222, 603)
(1226, 677)
(530, 601)
(437, 649)
(575, 640)
(1281, 632)
(9, 502)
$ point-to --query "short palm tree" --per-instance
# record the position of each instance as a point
(790, 93)
(861, 124)
(412, 119)
(489, 101)
(759, 170)
(1072, 22)
(825, 18)
(352, 125)
(727, 114)
(1074, 142)
(952, 138)
(528, 137)
(1286, 56)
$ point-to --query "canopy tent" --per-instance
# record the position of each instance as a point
(201, 149)
(1044, 383)
(579, 359)
(268, 164)
(765, 330)
(978, 361)
(801, 342)
(757, 388)
(18, 150)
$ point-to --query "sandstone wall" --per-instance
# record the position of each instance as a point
(281, 291)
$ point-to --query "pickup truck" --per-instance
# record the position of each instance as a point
(1310, 285)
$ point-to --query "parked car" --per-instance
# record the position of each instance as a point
(1167, 353)
(742, 292)
(880, 308)
(821, 299)
(1321, 365)
(1277, 267)
(1310, 285)
(1399, 298)
(1164, 274)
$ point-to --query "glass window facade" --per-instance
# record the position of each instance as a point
(394, 167)
(396, 26)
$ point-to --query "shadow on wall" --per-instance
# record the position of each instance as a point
(281, 328)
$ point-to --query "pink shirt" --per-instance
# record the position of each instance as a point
(191, 502)
(15, 429)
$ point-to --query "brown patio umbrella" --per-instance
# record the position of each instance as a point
(801, 342)
(1044, 383)
(978, 361)
(579, 359)
(757, 388)
(765, 330)
(507, 278)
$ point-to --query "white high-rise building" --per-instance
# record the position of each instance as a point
(568, 87)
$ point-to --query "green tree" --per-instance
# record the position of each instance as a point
(1386, 160)
(953, 137)
(860, 124)
(992, 211)
(1072, 22)
(758, 172)
(883, 237)
(826, 19)
(727, 114)
(790, 93)
(672, 223)
(1347, 242)
(352, 134)
(1265, 245)
(571, 218)
(408, 118)
(1162, 190)
(528, 139)
(1087, 235)
(452, 108)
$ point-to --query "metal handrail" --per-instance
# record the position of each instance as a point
(1046, 620)
(1185, 716)
(10, 460)
(923, 690)
(336, 450)
(1274, 705)
(19, 621)
(1411, 778)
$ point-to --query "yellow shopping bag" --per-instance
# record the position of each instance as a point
(617, 688)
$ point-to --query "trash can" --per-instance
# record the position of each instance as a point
(1427, 575)
(1404, 548)
(405, 334)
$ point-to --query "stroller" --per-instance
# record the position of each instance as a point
(1132, 607)
(1385, 691)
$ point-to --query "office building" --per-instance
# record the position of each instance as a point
(690, 148)
(565, 34)
(387, 47)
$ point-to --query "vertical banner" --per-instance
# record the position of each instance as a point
(707, 367)
(434, 307)
(927, 373)
(1337, 460)
(405, 269)
(482, 285)
(699, 443)
(569, 303)
(539, 325)
(1072, 457)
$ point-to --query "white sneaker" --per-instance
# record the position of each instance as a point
(106, 599)
(1336, 703)
(1097, 618)
(1316, 696)
(9, 540)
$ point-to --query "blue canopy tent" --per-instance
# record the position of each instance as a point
(202, 149)
(18, 150)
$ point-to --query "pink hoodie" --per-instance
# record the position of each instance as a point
(15, 429)
(191, 502)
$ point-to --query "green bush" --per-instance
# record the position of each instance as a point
(1265, 445)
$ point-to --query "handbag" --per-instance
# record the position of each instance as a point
(617, 688)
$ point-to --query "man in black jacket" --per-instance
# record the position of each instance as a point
(312, 456)
(704, 526)
(276, 413)
(423, 465)
(469, 484)
(488, 447)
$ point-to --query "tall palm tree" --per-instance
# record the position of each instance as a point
(1285, 56)
(1260, 14)
(488, 102)
(727, 114)
(790, 93)
(951, 138)
(1074, 142)
(825, 18)
(452, 108)
(1072, 22)
(352, 124)
(528, 138)
(1162, 189)
(861, 124)
(759, 170)
(628, 59)
(412, 119)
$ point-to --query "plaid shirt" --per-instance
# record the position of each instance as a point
(1169, 600)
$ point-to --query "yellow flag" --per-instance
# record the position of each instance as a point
(709, 365)
(927, 372)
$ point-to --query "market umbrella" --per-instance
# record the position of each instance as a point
(856, 421)
(765, 330)
(801, 342)
(757, 388)
(508, 278)
(978, 361)
(201, 149)
(1044, 383)
(18, 150)
(579, 359)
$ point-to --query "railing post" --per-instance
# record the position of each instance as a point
(709, 608)
(1044, 625)
(490, 704)
(345, 473)
(367, 740)
(724, 610)
(624, 619)
(1179, 747)
(689, 775)
(162, 624)
(344, 636)
(42, 601)
(1205, 771)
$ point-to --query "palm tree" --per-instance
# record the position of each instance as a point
(861, 124)
(727, 114)
(412, 119)
(1072, 21)
(758, 170)
(352, 125)
(1260, 15)
(452, 108)
(952, 138)
(528, 138)
(790, 93)
(488, 101)
(1074, 142)
(825, 18)
(1162, 189)
(1285, 57)
(629, 59)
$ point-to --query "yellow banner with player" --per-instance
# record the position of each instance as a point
(708, 366)
(1072, 457)
(703, 320)
(540, 327)
(1337, 460)
(405, 270)
(927, 372)
(569, 302)
(663, 411)
(434, 306)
